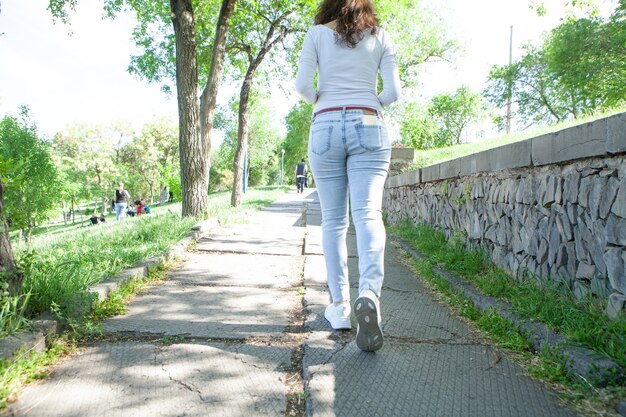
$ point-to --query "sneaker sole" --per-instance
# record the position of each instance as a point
(369, 335)
(339, 324)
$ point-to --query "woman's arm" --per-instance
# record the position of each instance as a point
(389, 72)
(306, 69)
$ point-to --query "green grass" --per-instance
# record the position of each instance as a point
(28, 367)
(12, 310)
(584, 322)
(60, 266)
(434, 156)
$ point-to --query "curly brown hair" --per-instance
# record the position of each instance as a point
(353, 18)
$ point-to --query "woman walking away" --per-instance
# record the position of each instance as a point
(121, 201)
(349, 150)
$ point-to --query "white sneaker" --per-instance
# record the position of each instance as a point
(338, 315)
(369, 335)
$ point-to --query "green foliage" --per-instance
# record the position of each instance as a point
(551, 366)
(153, 157)
(263, 147)
(418, 130)
(443, 121)
(503, 331)
(453, 112)
(12, 309)
(27, 171)
(579, 69)
(418, 33)
(89, 157)
(586, 56)
(154, 35)
(264, 140)
(296, 142)
(60, 267)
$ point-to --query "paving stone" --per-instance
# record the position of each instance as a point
(406, 315)
(426, 380)
(140, 379)
(254, 240)
(224, 269)
(313, 241)
(211, 312)
(315, 270)
(242, 283)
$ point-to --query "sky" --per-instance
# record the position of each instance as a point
(83, 77)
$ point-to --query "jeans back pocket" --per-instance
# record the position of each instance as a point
(371, 136)
(319, 139)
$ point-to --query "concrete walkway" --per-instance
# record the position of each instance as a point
(238, 330)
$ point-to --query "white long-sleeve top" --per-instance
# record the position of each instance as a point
(347, 76)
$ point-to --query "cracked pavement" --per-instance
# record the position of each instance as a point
(231, 333)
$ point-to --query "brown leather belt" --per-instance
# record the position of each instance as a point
(366, 110)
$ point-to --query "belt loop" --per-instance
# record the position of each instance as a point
(343, 111)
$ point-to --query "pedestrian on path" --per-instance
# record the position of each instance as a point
(349, 150)
(301, 173)
(121, 201)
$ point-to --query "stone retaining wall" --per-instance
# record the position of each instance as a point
(553, 206)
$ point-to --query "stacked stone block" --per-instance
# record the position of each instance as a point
(553, 206)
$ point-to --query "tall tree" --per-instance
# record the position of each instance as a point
(153, 154)
(259, 26)
(195, 123)
(454, 112)
(577, 69)
(29, 168)
(9, 273)
(442, 121)
(418, 129)
(165, 51)
(88, 153)
(420, 36)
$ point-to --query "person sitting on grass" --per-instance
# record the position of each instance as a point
(138, 204)
(145, 209)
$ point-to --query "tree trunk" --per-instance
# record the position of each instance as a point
(192, 164)
(242, 142)
(244, 98)
(8, 269)
(194, 124)
(209, 95)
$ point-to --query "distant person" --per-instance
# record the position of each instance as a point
(138, 205)
(102, 218)
(145, 209)
(121, 201)
(171, 196)
(301, 173)
(94, 219)
(349, 150)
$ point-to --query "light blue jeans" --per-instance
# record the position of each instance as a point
(349, 155)
(120, 211)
